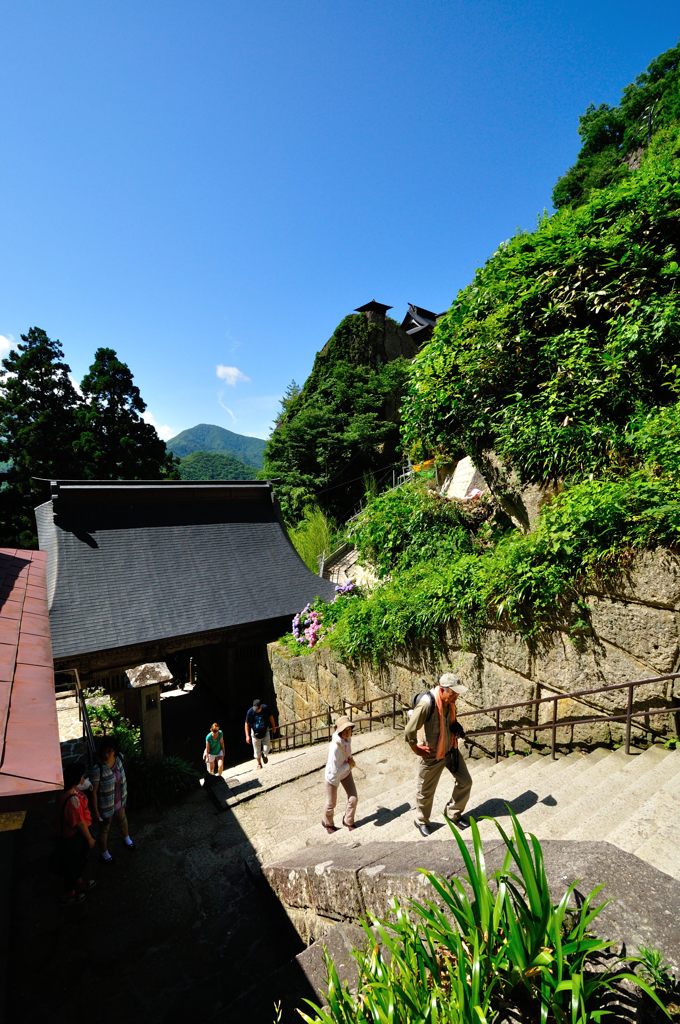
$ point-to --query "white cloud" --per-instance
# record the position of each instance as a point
(162, 429)
(231, 374)
(76, 385)
(6, 343)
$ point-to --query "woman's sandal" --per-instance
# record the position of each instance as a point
(330, 828)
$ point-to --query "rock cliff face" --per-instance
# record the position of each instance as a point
(635, 634)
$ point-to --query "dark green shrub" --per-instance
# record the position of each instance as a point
(159, 782)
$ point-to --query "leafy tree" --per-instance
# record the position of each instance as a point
(342, 425)
(613, 137)
(291, 393)
(115, 442)
(342, 431)
(38, 431)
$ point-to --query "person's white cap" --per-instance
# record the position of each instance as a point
(450, 681)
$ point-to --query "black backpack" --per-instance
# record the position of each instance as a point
(427, 696)
(260, 722)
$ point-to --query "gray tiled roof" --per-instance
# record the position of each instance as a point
(129, 563)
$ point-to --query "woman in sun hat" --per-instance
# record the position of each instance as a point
(339, 773)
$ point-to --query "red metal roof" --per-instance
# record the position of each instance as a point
(30, 756)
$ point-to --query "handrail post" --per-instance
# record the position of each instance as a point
(553, 744)
(538, 711)
(370, 716)
(394, 711)
(629, 712)
(498, 726)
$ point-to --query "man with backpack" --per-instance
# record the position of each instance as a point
(260, 725)
(432, 733)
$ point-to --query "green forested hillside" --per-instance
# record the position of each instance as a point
(342, 427)
(206, 437)
(560, 362)
(214, 466)
(564, 337)
(51, 429)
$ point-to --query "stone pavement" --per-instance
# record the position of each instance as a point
(182, 926)
(174, 930)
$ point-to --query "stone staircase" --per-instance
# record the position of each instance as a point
(631, 801)
(590, 810)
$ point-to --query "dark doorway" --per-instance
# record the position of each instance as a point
(227, 676)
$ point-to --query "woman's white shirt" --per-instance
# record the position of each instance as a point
(337, 765)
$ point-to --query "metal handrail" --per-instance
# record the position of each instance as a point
(349, 706)
(83, 714)
(304, 726)
(557, 723)
(304, 731)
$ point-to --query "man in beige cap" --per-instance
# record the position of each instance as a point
(437, 746)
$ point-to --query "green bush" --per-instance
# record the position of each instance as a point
(564, 337)
(313, 537)
(107, 719)
(528, 582)
(412, 524)
(485, 945)
(655, 437)
(159, 782)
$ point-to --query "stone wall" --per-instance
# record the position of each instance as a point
(635, 634)
(323, 887)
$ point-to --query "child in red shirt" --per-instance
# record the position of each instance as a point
(75, 839)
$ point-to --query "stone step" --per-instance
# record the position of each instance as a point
(245, 781)
(549, 818)
(386, 811)
(528, 792)
(525, 791)
(652, 818)
(587, 792)
(299, 806)
(377, 770)
(534, 771)
(577, 795)
(649, 774)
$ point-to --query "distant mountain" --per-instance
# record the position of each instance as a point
(214, 466)
(207, 437)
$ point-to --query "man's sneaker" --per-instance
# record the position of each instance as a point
(265, 759)
(106, 857)
(129, 842)
(459, 822)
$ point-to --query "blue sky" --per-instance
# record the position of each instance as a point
(209, 187)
